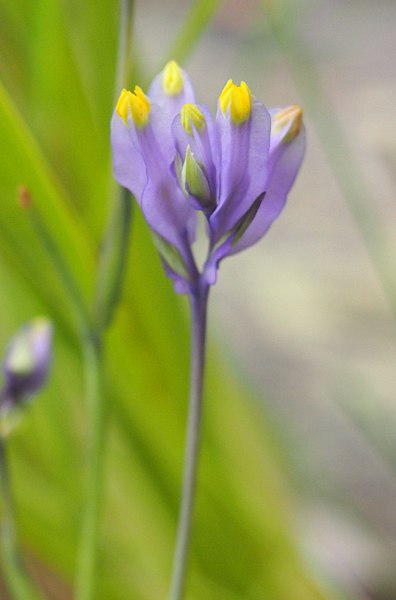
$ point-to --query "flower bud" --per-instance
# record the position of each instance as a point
(26, 362)
(287, 123)
(172, 79)
(193, 179)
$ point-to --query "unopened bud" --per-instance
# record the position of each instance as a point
(193, 179)
(26, 363)
(289, 122)
(172, 79)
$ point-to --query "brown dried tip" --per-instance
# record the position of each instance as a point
(24, 197)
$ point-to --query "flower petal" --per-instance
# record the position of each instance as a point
(285, 165)
(128, 164)
(167, 211)
(244, 157)
(142, 158)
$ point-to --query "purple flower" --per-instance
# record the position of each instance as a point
(25, 364)
(236, 170)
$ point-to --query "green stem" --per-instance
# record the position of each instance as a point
(113, 258)
(124, 46)
(91, 343)
(198, 306)
(111, 274)
(17, 580)
(60, 266)
(87, 567)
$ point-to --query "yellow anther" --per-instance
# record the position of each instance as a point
(172, 79)
(238, 99)
(290, 120)
(122, 105)
(191, 115)
(137, 103)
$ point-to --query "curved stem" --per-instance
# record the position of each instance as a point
(60, 266)
(198, 306)
(17, 580)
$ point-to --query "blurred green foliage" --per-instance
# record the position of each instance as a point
(57, 70)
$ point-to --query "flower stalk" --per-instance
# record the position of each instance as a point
(25, 368)
(89, 534)
(198, 309)
(235, 169)
(111, 272)
(92, 351)
(113, 258)
(54, 254)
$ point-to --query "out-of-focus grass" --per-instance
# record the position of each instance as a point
(57, 67)
(283, 18)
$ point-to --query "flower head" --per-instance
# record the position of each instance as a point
(25, 365)
(236, 168)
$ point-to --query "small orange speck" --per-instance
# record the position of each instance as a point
(24, 196)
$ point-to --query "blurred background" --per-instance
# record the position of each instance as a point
(298, 483)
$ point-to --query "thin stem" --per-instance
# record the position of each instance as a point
(113, 258)
(113, 262)
(60, 266)
(124, 46)
(198, 307)
(89, 536)
(111, 273)
(17, 580)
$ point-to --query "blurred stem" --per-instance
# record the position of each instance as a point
(18, 582)
(113, 258)
(89, 535)
(111, 272)
(201, 14)
(91, 344)
(335, 144)
(60, 266)
(123, 69)
(198, 308)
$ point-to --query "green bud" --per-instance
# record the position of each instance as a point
(193, 179)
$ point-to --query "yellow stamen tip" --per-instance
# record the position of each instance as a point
(191, 115)
(238, 100)
(172, 79)
(122, 105)
(290, 119)
(136, 103)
